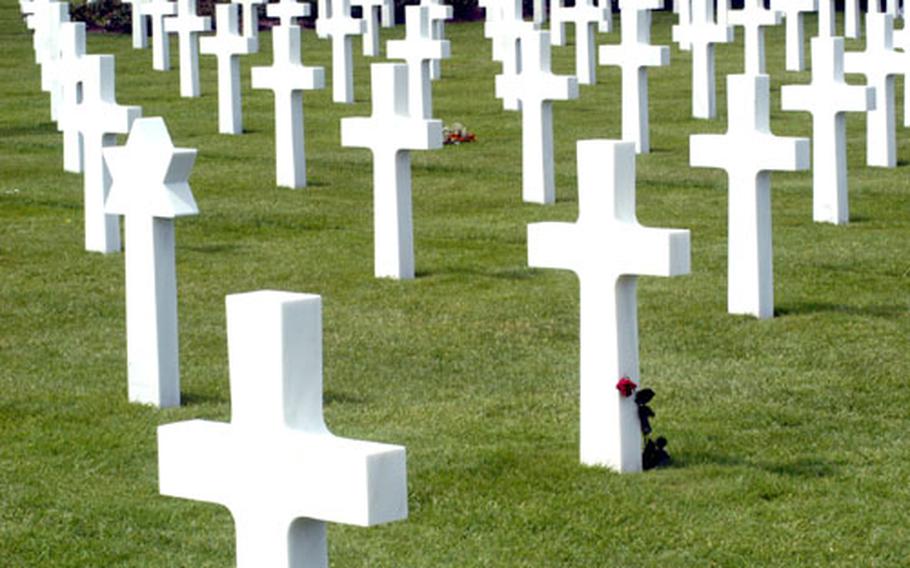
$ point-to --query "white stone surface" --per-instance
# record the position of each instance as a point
(505, 30)
(139, 23)
(634, 54)
(287, 78)
(754, 18)
(681, 30)
(539, 12)
(150, 189)
(188, 25)
(250, 12)
(418, 49)
(98, 119)
(852, 19)
(587, 18)
(341, 27)
(828, 98)
(388, 14)
(703, 34)
(228, 45)
(723, 12)
(49, 19)
(71, 70)
(535, 88)
(608, 249)
(276, 466)
(371, 11)
(157, 11)
(558, 19)
(287, 11)
(880, 63)
(827, 18)
(749, 152)
(439, 13)
(390, 133)
(793, 11)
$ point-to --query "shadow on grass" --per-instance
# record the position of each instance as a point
(806, 308)
(335, 397)
(798, 468)
(503, 274)
(212, 249)
(201, 399)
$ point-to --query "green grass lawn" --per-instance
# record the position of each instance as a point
(789, 437)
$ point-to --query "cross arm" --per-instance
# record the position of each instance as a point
(553, 245)
(654, 252)
(234, 45)
(402, 133)
(643, 55)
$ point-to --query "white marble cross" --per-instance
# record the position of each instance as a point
(188, 25)
(539, 14)
(391, 133)
(228, 45)
(586, 16)
(558, 19)
(418, 49)
(72, 68)
(901, 39)
(682, 30)
(150, 189)
(880, 63)
(98, 119)
(608, 249)
(852, 18)
(287, 78)
(278, 469)
(701, 35)
(139, 23)
(250, 11)
(341, 27)
(158, 10)
(749, 152)
(827, 18)
(793, 11)
(723, 12)
(754, 17)
(287, 11)
(370, 14)
(828, 98)
(505, 30)
(535, 88)
(50, 19)
(634, 54)
(439, 13)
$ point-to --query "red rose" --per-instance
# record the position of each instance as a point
(626, 386)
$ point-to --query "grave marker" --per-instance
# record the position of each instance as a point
(157, 11)
(150, 189)
(340, 27)
(228, 45)
(796, 37)
(250, 11)
(701, 35)
(391, 133)
(370, 14)
(585, 16)
(418, 49)
(72, 69)
(682, 30)
(287, 78)
(439, 13)
(276, 466)
(852, 16)
(505, 30)
(749, 152)
(187, 25)
(634, 55)
(287, 12)
(754, 18)
(827, 18)
(828, 98)
(535, 88)
(608, 249)
(49, 20)
(138, 23)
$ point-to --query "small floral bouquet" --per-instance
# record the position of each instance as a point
(655, 451)
(457, 134)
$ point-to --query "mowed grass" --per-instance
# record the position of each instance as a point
(789, 437)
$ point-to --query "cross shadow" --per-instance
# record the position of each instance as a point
(806, 308)
(797, 468)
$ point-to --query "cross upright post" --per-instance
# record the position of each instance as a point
(99, 119)
(505, 30)
(418, 49)
(188, 25)
(341, 27)
(52, 18)
(880, 63)
(276, 466)
(535, 88)
(827, 18)
(370, 14)
(138, 23)
(723, 12)
(828, 98)
(250, 11)
(701, 35)
(608, 249)
(439, 13)
(754, 18)
(558, 20)
(46, 19)
(150, 189)
(796, 36)
(72, 69)
(852, 18)
(586, 16)
(749, 152)
(634, 55)
(681, 30)
(391, 133)
(157, 11)
(287, 11)
(287, 77)
(228, 45)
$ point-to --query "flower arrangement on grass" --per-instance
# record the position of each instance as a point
(655, 453)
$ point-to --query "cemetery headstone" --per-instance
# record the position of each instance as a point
(188, 25)
(828, 98)
(138, 23)
(634, 54)
(391, 133)
(370, 14)
(505, 30)
(250, 12)
(439, 13)
(608, 249)
(754, 18)
(341, 27)
(586, 17)
(703, 34)
(535, 88)
(276, 466)
(793, 11)
(852, 16)
(287, 78)
(150, 189)
(681, 30)
(880, 63)
(72, 68)
(228, 45)
(827, 18)
(287, 12)
(51, 18)
(418, 49)
(157, 11)
(749, 152)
